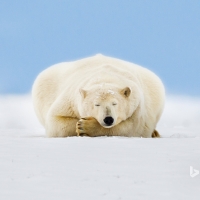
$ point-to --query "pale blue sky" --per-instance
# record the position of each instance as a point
(161, 35)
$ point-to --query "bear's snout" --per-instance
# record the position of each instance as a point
(108, 121)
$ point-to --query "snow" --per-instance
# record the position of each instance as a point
(35, 167)
(110, 92)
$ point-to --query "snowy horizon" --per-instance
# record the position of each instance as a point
(180, 117)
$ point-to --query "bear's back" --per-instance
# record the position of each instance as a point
(70, 76)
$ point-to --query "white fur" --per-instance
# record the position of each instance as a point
(65, 92)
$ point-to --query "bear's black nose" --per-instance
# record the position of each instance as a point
(108, 121)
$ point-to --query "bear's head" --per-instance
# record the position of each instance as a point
(108, 104)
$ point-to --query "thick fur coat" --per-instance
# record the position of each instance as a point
(98, 96)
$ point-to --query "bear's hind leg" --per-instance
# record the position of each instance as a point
(155, 134)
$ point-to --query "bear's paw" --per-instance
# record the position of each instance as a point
(87, 126)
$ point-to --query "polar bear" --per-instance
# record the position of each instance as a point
(98, 96)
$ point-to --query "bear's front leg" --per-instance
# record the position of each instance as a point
(88, 126)
(60, 126)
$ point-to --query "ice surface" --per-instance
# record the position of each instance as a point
(35, 167)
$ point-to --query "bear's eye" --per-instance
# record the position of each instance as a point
(97, 105)
(114, 104)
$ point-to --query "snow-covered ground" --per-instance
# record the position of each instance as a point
(35, 167)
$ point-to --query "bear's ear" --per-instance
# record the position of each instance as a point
(83, 93)
(126, 92)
